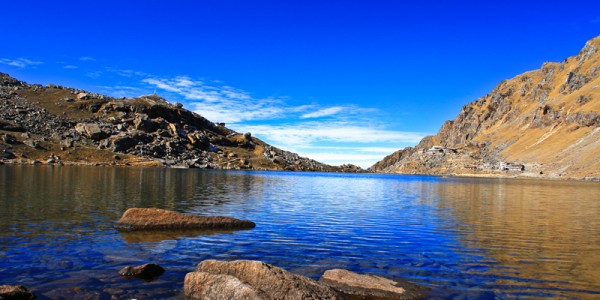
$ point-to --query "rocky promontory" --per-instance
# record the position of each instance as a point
(543, 123)
(59, 125)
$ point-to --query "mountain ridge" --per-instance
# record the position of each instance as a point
(542, 123)
(59, 125)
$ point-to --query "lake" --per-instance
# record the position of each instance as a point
(462, 238)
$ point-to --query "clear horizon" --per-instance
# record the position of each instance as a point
(339, 82)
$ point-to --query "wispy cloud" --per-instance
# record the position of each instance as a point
(323, 112)
(70, 67)
(307, 134)
(120, 91)
(336, 135)
(94, 74)
(220, 103)
(87, 58)
(19, 62)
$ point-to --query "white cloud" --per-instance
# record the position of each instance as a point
(323, 112)
(70, 67)
(348, 134)
(94, 74)
(220, 103)
(308, 133)
(87, 58)
(119, 91)
(19, 62)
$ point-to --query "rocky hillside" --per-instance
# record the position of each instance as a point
(543, 123)
(58, 125)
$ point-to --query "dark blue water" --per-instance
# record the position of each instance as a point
(463, 238)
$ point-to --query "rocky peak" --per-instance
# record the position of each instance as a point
(535, 119)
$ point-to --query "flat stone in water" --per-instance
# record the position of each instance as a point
(161, 219)
(365, 286)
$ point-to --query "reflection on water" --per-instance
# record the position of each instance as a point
(543, 231)
(463, 238)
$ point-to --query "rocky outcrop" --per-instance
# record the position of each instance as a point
(545, 120)
(202, 285)
(357, 286)
(88, 128)
(147, 271)
(160, 219)
(15, 292)
(251, 280)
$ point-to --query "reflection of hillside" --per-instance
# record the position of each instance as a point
(536, 229)
(72, 195)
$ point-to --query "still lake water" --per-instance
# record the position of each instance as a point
(464, 238)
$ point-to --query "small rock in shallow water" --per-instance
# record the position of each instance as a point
(365, 286)
(146, 272)
(15, 292)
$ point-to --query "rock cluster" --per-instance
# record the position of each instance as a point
(244, 279)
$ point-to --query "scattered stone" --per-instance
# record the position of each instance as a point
(83, 96)
(91, 130)
(76, 293)
(32, 143)
(160, 219)
(9, 139)
(369, 286)
(147, 272)
(15, 292)
(257, 280)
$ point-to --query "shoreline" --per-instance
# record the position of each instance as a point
(144, 163)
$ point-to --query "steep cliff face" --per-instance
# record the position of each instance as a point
(59, 125)
(543, 123)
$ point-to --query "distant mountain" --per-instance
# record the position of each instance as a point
(59, 125)
(543, 123)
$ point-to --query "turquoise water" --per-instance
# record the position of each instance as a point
(463, 238)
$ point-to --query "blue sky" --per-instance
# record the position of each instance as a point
(337, 81)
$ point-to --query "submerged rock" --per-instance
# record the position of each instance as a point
(146, 272)
(15, 292)
(362, 286)
(254, 279)
(160, 219)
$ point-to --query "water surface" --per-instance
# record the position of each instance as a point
(460, 237)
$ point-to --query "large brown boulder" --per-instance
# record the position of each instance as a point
(202, 285)
(160, 219)
(259, 280)
(15, 292)
(359, 286)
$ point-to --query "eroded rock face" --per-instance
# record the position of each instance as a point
(369, 286)
(146, 272)
(15, 292)
(258, 279)
(160, 219)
